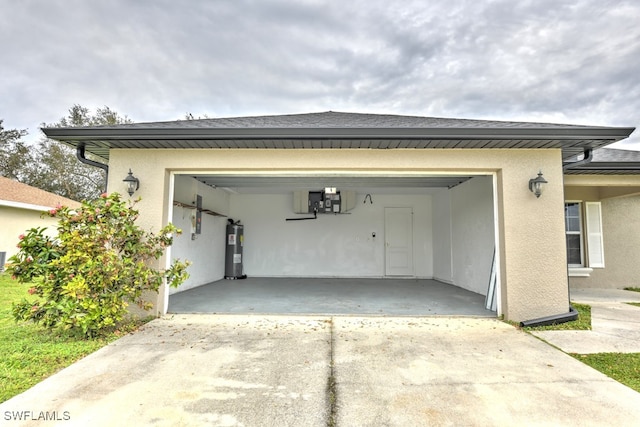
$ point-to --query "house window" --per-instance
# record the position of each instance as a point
(573, 230)
(585, 245)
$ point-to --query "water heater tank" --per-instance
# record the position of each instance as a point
(233, 258)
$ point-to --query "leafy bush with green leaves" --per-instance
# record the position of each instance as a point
(98, 264)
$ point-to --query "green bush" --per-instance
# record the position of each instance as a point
(97, 265)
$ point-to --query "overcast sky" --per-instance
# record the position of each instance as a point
(555, 61)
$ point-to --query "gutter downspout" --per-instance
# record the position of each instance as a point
(572, 314)
(588, 156)
(552, 320)
(80, 154)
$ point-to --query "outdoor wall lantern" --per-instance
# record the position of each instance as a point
(133, 183)
(535, 184)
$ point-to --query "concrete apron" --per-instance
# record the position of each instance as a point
(238, 370)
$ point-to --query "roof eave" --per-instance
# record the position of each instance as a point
(115, 133)
(609, 166)
(23, 205)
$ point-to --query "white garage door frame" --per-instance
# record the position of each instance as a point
(496, 215)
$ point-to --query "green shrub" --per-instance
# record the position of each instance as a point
(97, 265)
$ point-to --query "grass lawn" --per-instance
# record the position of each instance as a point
(637, 304)
(622, 367)
(28, 353)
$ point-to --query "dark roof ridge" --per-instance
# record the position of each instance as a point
(336, 119)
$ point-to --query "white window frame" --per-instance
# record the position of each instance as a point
(580, 232)
(591, 238)
(594, 234)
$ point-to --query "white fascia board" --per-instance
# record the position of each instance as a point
(27, 206)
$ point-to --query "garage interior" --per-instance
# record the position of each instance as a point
(377, 245)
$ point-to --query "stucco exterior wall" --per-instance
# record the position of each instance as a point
(532, 251)
(590, 194)
(621, 237)
(16, 221)
(620, 201)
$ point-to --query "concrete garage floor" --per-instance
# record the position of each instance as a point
(330, 296)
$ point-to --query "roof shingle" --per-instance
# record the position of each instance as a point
(615, 155)
(13, 191)
(333, 119)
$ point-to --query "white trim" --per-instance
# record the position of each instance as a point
(593, 229)
(496, 228)
(169, 207)
(580, 271)
(28, 206)
(580, 232)
(450, 238)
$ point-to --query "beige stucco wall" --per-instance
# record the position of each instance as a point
(532, 249)
(16, 221)
(620, 201)
(621, 236)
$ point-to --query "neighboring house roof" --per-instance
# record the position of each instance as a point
(19, 195)
(610, 161)
(338, 130)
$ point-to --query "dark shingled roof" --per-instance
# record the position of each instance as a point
(610, 161)
(615, 155)
(333, 119)
(338, 130)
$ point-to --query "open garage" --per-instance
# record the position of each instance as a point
(394, 244)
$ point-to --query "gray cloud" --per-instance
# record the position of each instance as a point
(544, 60)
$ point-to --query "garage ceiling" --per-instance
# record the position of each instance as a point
(270, 184)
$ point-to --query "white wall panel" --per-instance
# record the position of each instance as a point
(473, 236)
(207, 251)
(442, 236)
(330, 246)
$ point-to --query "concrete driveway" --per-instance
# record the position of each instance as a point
(239, 370)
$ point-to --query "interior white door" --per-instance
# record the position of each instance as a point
(398, 227)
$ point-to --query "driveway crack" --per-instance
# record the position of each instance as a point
(332, 394)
